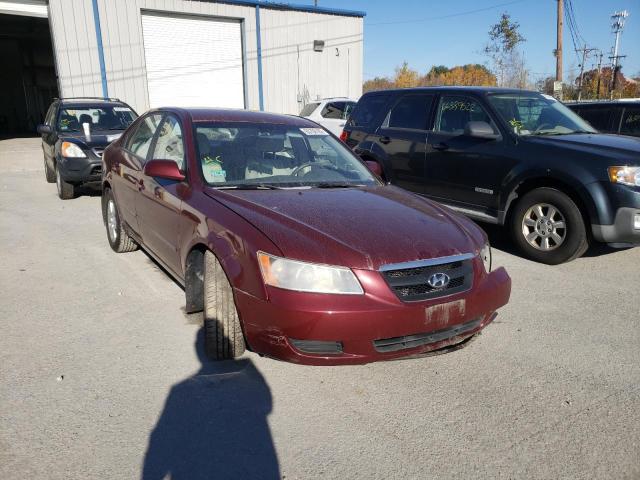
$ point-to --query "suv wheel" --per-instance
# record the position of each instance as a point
(65, 189)
(49, 173)
(548, 227)
(223, 334)
(118, 238)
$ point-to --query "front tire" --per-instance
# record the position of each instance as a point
(119, 240)
(66, 190)
(223, 334)
(548, 227)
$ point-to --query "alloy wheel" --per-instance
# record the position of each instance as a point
(112, 221)
(544, 227)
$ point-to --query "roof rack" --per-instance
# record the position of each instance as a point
(90, 98)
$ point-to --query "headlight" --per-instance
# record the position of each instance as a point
(69, 149)
(307, 277)
(625, 175)
(485, 255)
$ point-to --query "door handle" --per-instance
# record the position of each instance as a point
(141, 184)
(440, 146)
(385, 140)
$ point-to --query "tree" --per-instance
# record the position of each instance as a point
(471, 74)
(377, 83)
(502, 49)
(405, 77)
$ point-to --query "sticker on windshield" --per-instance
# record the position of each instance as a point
(120, 109)
(313, 131)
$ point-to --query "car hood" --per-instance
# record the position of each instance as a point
(601, 144)
(356, 227)
(95, 139)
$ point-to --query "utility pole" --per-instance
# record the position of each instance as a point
(600, 55)
(585, 51)
(617, 26)
(559, 40)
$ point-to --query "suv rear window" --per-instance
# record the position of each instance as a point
(367, 109)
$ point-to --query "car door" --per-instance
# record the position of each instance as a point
(334, 116)
(403, 138)
(462, 169)
(127, 171)
(159, 202)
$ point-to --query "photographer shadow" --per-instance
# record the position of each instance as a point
(214, 425)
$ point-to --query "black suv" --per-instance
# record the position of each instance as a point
(621, 117)
(74, 134)
(509, 157)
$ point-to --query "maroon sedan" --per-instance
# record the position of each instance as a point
(289, 243)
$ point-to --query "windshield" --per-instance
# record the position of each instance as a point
(534, 114)
(276, 156)
(108, 117)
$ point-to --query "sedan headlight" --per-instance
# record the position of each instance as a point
(68, 149)
(307, 277)
(625, 175)
(485, 255)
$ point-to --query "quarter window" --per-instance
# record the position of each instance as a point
(337, 110)
(455, 112)
(169, 144)
(140, 141)
(411, 112)
(367, 109)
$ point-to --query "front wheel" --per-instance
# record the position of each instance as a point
(548, 227)
(223, 333)
(66, 190)
(49, 173)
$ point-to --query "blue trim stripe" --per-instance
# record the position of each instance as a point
(259, 49)
(299, 8)
(103, 69)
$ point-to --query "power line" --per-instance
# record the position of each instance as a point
(428, 19)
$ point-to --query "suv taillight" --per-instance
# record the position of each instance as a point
(344, 136)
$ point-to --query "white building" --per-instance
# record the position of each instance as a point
(149, 53)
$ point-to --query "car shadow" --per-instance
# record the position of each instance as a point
(214, 425)
(88, 190)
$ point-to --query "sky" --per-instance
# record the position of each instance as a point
(409, 30)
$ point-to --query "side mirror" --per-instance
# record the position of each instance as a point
(167, 169)
(374, 167)
(44, 129)
(480, 130)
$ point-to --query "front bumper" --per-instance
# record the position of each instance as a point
(81, 170)
(365, 326)
(625, 230)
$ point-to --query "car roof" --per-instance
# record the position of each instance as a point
(455, 88)
(91, 102)
(232, 115)
(606, 103)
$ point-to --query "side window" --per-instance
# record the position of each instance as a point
(367, 109)
(169, 144)
(630, 122)
(334, 110)
(140, 141)
(598, 117)
(48, 119)
(455, 112)
(411, 112)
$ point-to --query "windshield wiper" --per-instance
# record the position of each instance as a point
(249, 186)
(337, 185)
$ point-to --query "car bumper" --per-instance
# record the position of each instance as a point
(80, 170)
(292, 326)
(625, 230)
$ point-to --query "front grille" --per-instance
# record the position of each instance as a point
(411, 341)
(98, 151)
(96, 170)
(410, 281)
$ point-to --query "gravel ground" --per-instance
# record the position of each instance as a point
(102, 377)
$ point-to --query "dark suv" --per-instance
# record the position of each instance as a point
(510, 157)
(74, 135)
(621, 117)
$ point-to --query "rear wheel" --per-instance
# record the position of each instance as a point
(118, 238)
(223, 333)
(548, 227)
(65, 189)
(49, 173)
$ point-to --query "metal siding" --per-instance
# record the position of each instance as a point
(321, 74)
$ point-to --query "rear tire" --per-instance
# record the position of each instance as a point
(49, 173)
(66, 190)
(119, 240)
(223, 334)
(548, 227)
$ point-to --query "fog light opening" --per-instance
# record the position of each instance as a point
(317, 347)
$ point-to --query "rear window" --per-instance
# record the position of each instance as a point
(308, 109)
(367, 109)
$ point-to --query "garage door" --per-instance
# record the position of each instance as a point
(193, 62)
